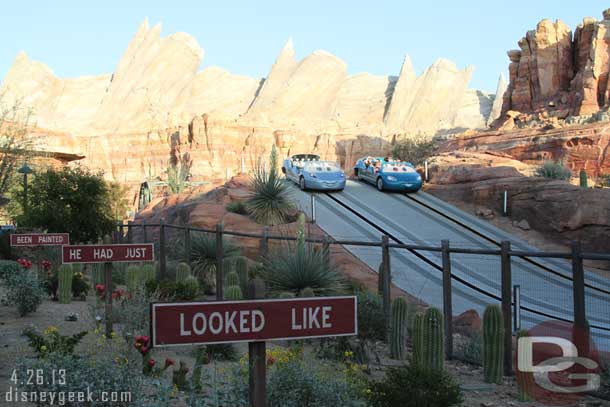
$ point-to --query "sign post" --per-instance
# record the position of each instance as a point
(108, 254)
(254, 321)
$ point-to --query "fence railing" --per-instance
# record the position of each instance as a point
(126, 232)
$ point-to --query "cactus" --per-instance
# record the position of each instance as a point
(241, 267)
(232, 279)
(201, 358)
(233, 293)
(97, 274)
(398, 326)
(228, 265)
(179, 377)
(183, 271)
(584, 181)
(434, 341)
(65, 275)
(133, 278)
(307, 292)
(148, 273)
(285, 295)
(418, 339)
(525, 380)
(493, 344)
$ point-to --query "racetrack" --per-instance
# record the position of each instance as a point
(361, 212)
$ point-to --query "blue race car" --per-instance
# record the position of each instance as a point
(388, 174)
(309, 172)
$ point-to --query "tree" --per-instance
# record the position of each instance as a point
(118, 201)
(73, 200)
(414, 149)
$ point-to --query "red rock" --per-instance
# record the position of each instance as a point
(467, 323)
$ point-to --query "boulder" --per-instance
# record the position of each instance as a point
(468, 323)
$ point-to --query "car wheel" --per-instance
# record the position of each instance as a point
(356, 173)
(380, 184)
(283, 170)
(302, 183)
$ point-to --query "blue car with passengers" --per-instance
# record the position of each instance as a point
(309, 172)
(388, 174)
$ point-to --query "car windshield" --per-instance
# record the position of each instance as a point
(322, 166)
(398, 167)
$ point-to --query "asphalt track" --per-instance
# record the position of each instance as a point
(360, 212)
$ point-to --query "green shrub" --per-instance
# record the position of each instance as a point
(221, 351)
(414, 149)
(237, 207)
(9, 268)
(297, 267)
(553, 170)
(170, 290)
(270, 202)
(604, 180)
(80, 285)
(25, 291)
(415, 386)
(471, 349)
(371, 318)
(52, 342)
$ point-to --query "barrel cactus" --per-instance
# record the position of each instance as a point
(417, 332)
(434, 340)
(493, 344)
(183, 271)
(191, 287)
(233, 293)
(241, 268)
(525, 380)
(584, 180)
(232, 279)
(133, 278)
(307, 292)
(65, 275)
(148, 273)
(286, 295)
(398, 329)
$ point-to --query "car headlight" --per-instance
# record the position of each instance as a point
(391, 178)
(312, 175)
(341, 175)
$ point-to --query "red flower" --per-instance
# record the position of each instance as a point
(151, 363)
(25, 263)
(46, 265)
(100, 287)
(169, 362)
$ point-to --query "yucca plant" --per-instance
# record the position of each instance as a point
(553, 170)
(269, 202)
(297, 267)
(203, 253)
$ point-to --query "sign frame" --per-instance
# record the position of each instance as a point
(154, 305)
(16, 235)
(150, 245)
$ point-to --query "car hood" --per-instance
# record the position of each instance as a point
(328, 176)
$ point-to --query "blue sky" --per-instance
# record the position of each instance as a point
(76, 39)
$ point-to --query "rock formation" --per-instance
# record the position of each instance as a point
(561, 73)
(156, 102)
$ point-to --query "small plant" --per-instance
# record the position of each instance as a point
(398, 329)
(188, 289)
(307, 292)
(80, 285)
(415, 386)
(233, 293)
(493, 344)
(143, 345)
(584, 179)
(554, 170)
(179, 377)
(237, 207)
(604, 180)
(270, 202)
(221, 351)
(65, 276)
(25, 291)
(183, 271)
(371, 319)
(285, 295)
(50, 341)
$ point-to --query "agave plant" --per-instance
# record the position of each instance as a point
(270, 202)
(296, 267)
(203, 252)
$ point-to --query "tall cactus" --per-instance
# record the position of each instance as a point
(233, 293)
(434, 340)
(232, 279)
(148, 273)
(307, 292)
(525, 380)
(183, 271)
(493, 344)
(133, 278)
(417, 332)
(398, 326)
(241, 267)
(584, 180)
(65, 275)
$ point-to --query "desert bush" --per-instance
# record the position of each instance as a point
(270, 202)
(25, 291)
(371, 318)
(9, 268)
(604, 180)
(471, 349)
(553, 170)
(237, 207)
(80, 285)
(407, 386)
(51, 341)
(414, 149)
(221, 351)
(296, 267)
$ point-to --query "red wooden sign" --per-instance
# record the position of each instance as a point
(40, 239)
(111, 253)
(252, 320)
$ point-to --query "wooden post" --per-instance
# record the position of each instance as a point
(387, 278)
(187, 245)
(578, 285)
(144, 231)
(447, 299)
(162, 257)
(326, 249)
(506, 286)
(108, 298)
(129, 232)
(257, 355)
(219, 263)
(263, 248)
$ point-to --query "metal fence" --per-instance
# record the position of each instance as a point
(453, 277)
